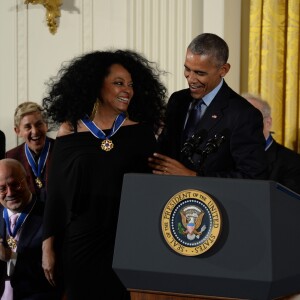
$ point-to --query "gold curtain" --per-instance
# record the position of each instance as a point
(274, 60)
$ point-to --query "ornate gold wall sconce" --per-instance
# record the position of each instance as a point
(52, 11)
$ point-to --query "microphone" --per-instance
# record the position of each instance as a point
(213, 144)
(192, 144)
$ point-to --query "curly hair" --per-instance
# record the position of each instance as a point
(75, 89)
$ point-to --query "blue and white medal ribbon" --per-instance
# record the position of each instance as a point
(11, 240)
(106, 144)
(37, 169)
(269, 142)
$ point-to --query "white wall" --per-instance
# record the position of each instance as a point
(160, 29)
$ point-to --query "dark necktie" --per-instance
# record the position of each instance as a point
(193, 119)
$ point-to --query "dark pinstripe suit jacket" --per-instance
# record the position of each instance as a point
(284, 166)
(242, 153)
(28, 279)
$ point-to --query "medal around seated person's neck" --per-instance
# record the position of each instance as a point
(106, 144)
(38, 167)
(12, 243)
(39, 182)
(11, 236)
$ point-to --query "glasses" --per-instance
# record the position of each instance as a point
(17, 185)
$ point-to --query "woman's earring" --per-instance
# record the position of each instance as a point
(94, 111)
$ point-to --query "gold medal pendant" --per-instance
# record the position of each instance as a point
(107, 145)
(38, 182)
(12, 243)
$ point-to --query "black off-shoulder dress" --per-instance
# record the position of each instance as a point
(84, 189)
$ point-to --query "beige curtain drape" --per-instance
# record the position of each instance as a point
(274, 56)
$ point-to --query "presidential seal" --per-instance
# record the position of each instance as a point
(191, 222)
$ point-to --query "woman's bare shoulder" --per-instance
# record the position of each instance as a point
(65, 129)
(129, 122)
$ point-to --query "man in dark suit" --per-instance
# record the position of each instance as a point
(226, 140)
(283, 163)
(2, 144)
(35, 153)
(21, 272)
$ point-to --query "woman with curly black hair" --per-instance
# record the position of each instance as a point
(110, 106)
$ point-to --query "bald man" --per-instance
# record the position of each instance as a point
(21, 272)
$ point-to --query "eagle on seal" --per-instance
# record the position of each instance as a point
(191, 218)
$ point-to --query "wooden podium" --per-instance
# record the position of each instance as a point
(150, 295)
(256, 256)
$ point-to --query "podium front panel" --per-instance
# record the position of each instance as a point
(255, 257)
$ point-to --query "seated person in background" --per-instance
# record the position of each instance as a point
(2, 144)
(21, 272)
(31, 125)
(283, 163)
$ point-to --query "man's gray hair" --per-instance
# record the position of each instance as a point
(211, 45)
(265, 106)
